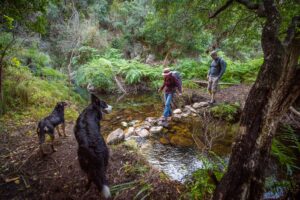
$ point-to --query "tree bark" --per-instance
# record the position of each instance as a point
(276, 88)
(1, 76)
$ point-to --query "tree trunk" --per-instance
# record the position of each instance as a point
(1, 92)
(276, 88)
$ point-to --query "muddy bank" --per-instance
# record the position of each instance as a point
(25, 174)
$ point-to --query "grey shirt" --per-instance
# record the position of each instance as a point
(217, 68)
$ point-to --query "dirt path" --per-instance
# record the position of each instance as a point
(232, 94)
(26, 175)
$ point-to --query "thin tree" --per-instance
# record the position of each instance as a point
(276, 88)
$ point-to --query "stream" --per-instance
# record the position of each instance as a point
(178, 163)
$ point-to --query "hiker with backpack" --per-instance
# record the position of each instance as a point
(215, 73)
(172, 81)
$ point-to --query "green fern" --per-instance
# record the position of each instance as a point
(284, 148)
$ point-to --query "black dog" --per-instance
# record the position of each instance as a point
(49, 123)
(92, 150)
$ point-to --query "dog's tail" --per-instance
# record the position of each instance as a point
(94, 165)
(106, 191)
(101, 181)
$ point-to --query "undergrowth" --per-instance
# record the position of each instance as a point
(285, 149)
(102, 69)
(28, 97)
(227, 112)
(202, 187)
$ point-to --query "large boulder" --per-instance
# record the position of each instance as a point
(200, 104)
(151, 120)
(150, 59)
(124, 124)
(129, 132)
(190, 108)
(134, 122)
(146, 125)
(156, 129)
(142, 132)
(185, 114)
(177, 117)
(177, 111)
(115, 137)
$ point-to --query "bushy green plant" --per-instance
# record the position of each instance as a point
(99, 72)
(192, 69)
(202, 186)
(52, 74)
(84, 54)
(285, 147)
(225, 111)
(236, 71)
(33, 97)
(136, 72)
(38, 58)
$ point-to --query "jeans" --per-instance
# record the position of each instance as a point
(168, 100)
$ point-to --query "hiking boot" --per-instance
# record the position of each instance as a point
(162, 118)
(212, 101)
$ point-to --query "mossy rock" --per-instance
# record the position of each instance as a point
(185, 134)
(164, 141)
(180, 141)
(131, 144)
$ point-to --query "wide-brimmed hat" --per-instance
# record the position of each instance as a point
(166, 72)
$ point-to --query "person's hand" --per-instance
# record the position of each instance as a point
(180, 94)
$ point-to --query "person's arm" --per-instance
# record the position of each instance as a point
(223, 68)
(162, 87)
(208, 74)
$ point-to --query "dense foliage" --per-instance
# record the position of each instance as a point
(48, 48)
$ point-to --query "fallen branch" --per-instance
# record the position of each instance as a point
(120, 85)
(293, 110)
(23, 163)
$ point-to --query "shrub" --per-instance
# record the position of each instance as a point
(227, 112)
(99, 72)
(202, 187)
(285, 147)
(236, 71)
(33, 97)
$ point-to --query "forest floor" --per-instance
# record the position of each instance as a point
(25, 174)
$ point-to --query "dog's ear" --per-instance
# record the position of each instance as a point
(95, 100)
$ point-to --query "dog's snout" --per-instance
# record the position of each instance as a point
(108, 109)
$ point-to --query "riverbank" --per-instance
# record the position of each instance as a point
(59, 176)
(25, 174)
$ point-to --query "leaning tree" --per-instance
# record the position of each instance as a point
(276, 88)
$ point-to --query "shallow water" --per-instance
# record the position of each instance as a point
(178, 163)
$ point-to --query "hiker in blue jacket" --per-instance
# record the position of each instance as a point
(171, 83)
(215, 73)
